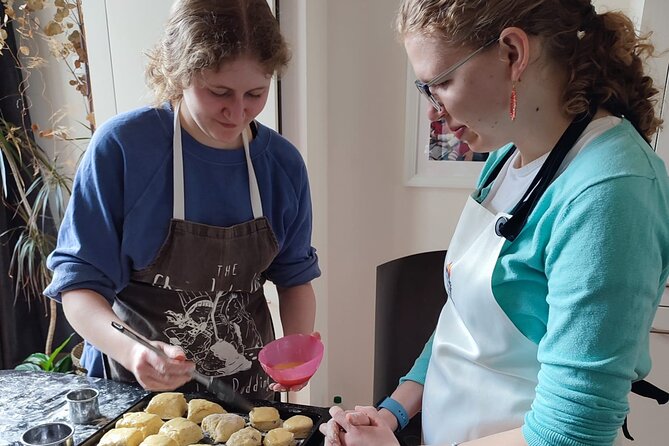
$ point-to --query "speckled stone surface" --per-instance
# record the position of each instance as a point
(31, 398)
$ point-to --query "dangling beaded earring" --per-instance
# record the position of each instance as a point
(513, 104)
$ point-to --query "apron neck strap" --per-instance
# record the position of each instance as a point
(498, 168)
(509, 228)
(256, 202)
(178, 210)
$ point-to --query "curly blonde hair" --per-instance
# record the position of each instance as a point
(203, 34)
(602, 53)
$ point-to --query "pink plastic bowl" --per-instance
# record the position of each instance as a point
(293, 359)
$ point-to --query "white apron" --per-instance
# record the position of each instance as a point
(482, 375)
(483, 371)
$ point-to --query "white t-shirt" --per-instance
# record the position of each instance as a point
(513, 181)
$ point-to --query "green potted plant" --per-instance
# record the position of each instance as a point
(49, 363)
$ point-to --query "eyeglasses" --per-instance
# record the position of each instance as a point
(424, 87)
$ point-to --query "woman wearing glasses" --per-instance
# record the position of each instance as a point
(561, 254)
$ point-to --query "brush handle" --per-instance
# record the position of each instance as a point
(131, 334)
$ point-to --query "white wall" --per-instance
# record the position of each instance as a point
(305, 122)
(633, 8)
(613, 5)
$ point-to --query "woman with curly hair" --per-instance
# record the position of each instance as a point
(180, 212)
(561, 255)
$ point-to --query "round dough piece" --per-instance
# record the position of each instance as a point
(199, 408)
(299, 425)
(220, 426)
(159, 440)
(168, 405)
(183, 431)
(148, 423)
(245, 437)
(123, 436)
(265, 418)
(279, 437)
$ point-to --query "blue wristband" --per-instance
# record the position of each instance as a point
(397, 410)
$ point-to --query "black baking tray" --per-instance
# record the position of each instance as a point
(318, 415)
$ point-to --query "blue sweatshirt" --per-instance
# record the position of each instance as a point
(121, 204)
(583, 281)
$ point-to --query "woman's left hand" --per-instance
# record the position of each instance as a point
(360, 427)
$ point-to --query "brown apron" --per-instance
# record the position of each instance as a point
(204, 290)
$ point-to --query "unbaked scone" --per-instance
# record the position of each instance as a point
(265, 418)
(245, 437)
(124, 436)
(159, 440)
(183, 431)
(199, 408)
(168, 405)
(148, 423)
(299, 425)
(219, 426)
(279, 437)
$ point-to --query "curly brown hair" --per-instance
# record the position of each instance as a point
(203, 34)
(602, 53)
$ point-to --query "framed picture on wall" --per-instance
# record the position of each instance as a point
(434, 157)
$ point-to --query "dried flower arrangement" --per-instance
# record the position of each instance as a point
(26, 168)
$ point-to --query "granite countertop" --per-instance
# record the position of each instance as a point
(31, 398)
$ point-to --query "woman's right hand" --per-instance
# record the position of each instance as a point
(90, 314)
(157, 373)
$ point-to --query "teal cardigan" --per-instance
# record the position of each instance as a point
(583, 280)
